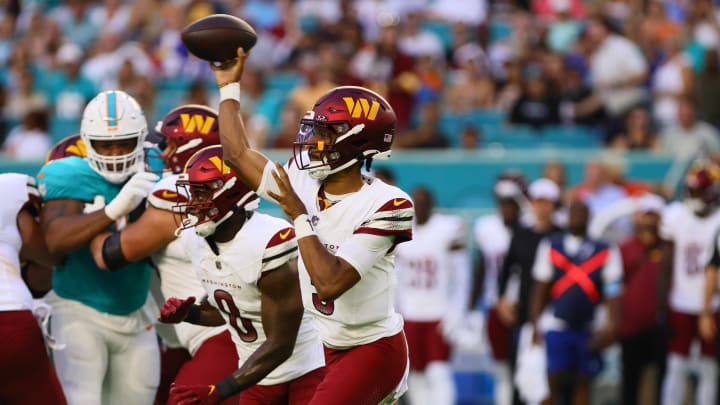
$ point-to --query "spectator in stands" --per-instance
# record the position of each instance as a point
(29, 140)
(76, 24)
(24, 98)
(515, 278)
(642, 340)
(536, 106)
(563, 30)
(671, 81)
(112, 15)
(471, 87)
(197, 94)
(577, 103)
(70, 90)
(690, 137)
(708, 88)
(389, 71)
(617, 67)
(427, 134)
(415, 41)
(547, 9)
(656, 26)
(470, 137)
(318, 81)
(638, 132)
(511, 87)
(574, 275)
(597, 190)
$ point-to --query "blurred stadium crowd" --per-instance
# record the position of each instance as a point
(460, 73)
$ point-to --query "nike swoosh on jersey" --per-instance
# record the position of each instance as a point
(398, 203)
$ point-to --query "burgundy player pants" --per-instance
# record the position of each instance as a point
(26, 374)
(363, 375)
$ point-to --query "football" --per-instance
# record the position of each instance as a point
(216, 37)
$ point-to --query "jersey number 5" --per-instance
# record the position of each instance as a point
(245, 329)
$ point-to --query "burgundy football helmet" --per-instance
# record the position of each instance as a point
(215, 192)
(72, 145)
(702, 184)
(347, 125)
(184, 131)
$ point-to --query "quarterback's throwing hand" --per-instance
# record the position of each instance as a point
(131, 195)
(230, 71)
(175, 310)
(193, 395)
(287, 198)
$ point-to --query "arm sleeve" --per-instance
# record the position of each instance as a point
(542, 270)
(612, 274)
(281, 248)
(362, 251)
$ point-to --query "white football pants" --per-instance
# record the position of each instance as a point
(108, 359)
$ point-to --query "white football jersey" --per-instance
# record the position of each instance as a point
(177, 276)
(493, 241)
(693, 238)
(423, 268)
(365, 312)
(230, 280)
(18, 189)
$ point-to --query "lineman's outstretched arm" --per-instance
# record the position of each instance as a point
(154, 230)
(33, 248)
(67, 228)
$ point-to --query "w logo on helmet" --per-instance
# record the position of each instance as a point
(197, 122)
(222, 167)
(362, 106)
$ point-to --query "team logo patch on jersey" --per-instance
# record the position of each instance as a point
(168, 195)
(314, 220)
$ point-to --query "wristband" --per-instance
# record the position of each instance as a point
(228, 387)
(112, 253)
(230, 91)
(303, 227)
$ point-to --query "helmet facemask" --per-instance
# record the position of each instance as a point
(315, 147)
(115, 168)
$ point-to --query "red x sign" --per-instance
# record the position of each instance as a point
(577, 274)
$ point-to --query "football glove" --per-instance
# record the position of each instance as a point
(175, 310)
(131, 195)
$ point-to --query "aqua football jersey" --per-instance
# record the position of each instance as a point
(78, 277)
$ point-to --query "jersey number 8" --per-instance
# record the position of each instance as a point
(245, 329)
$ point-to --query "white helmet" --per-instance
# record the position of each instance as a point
(111, 116)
